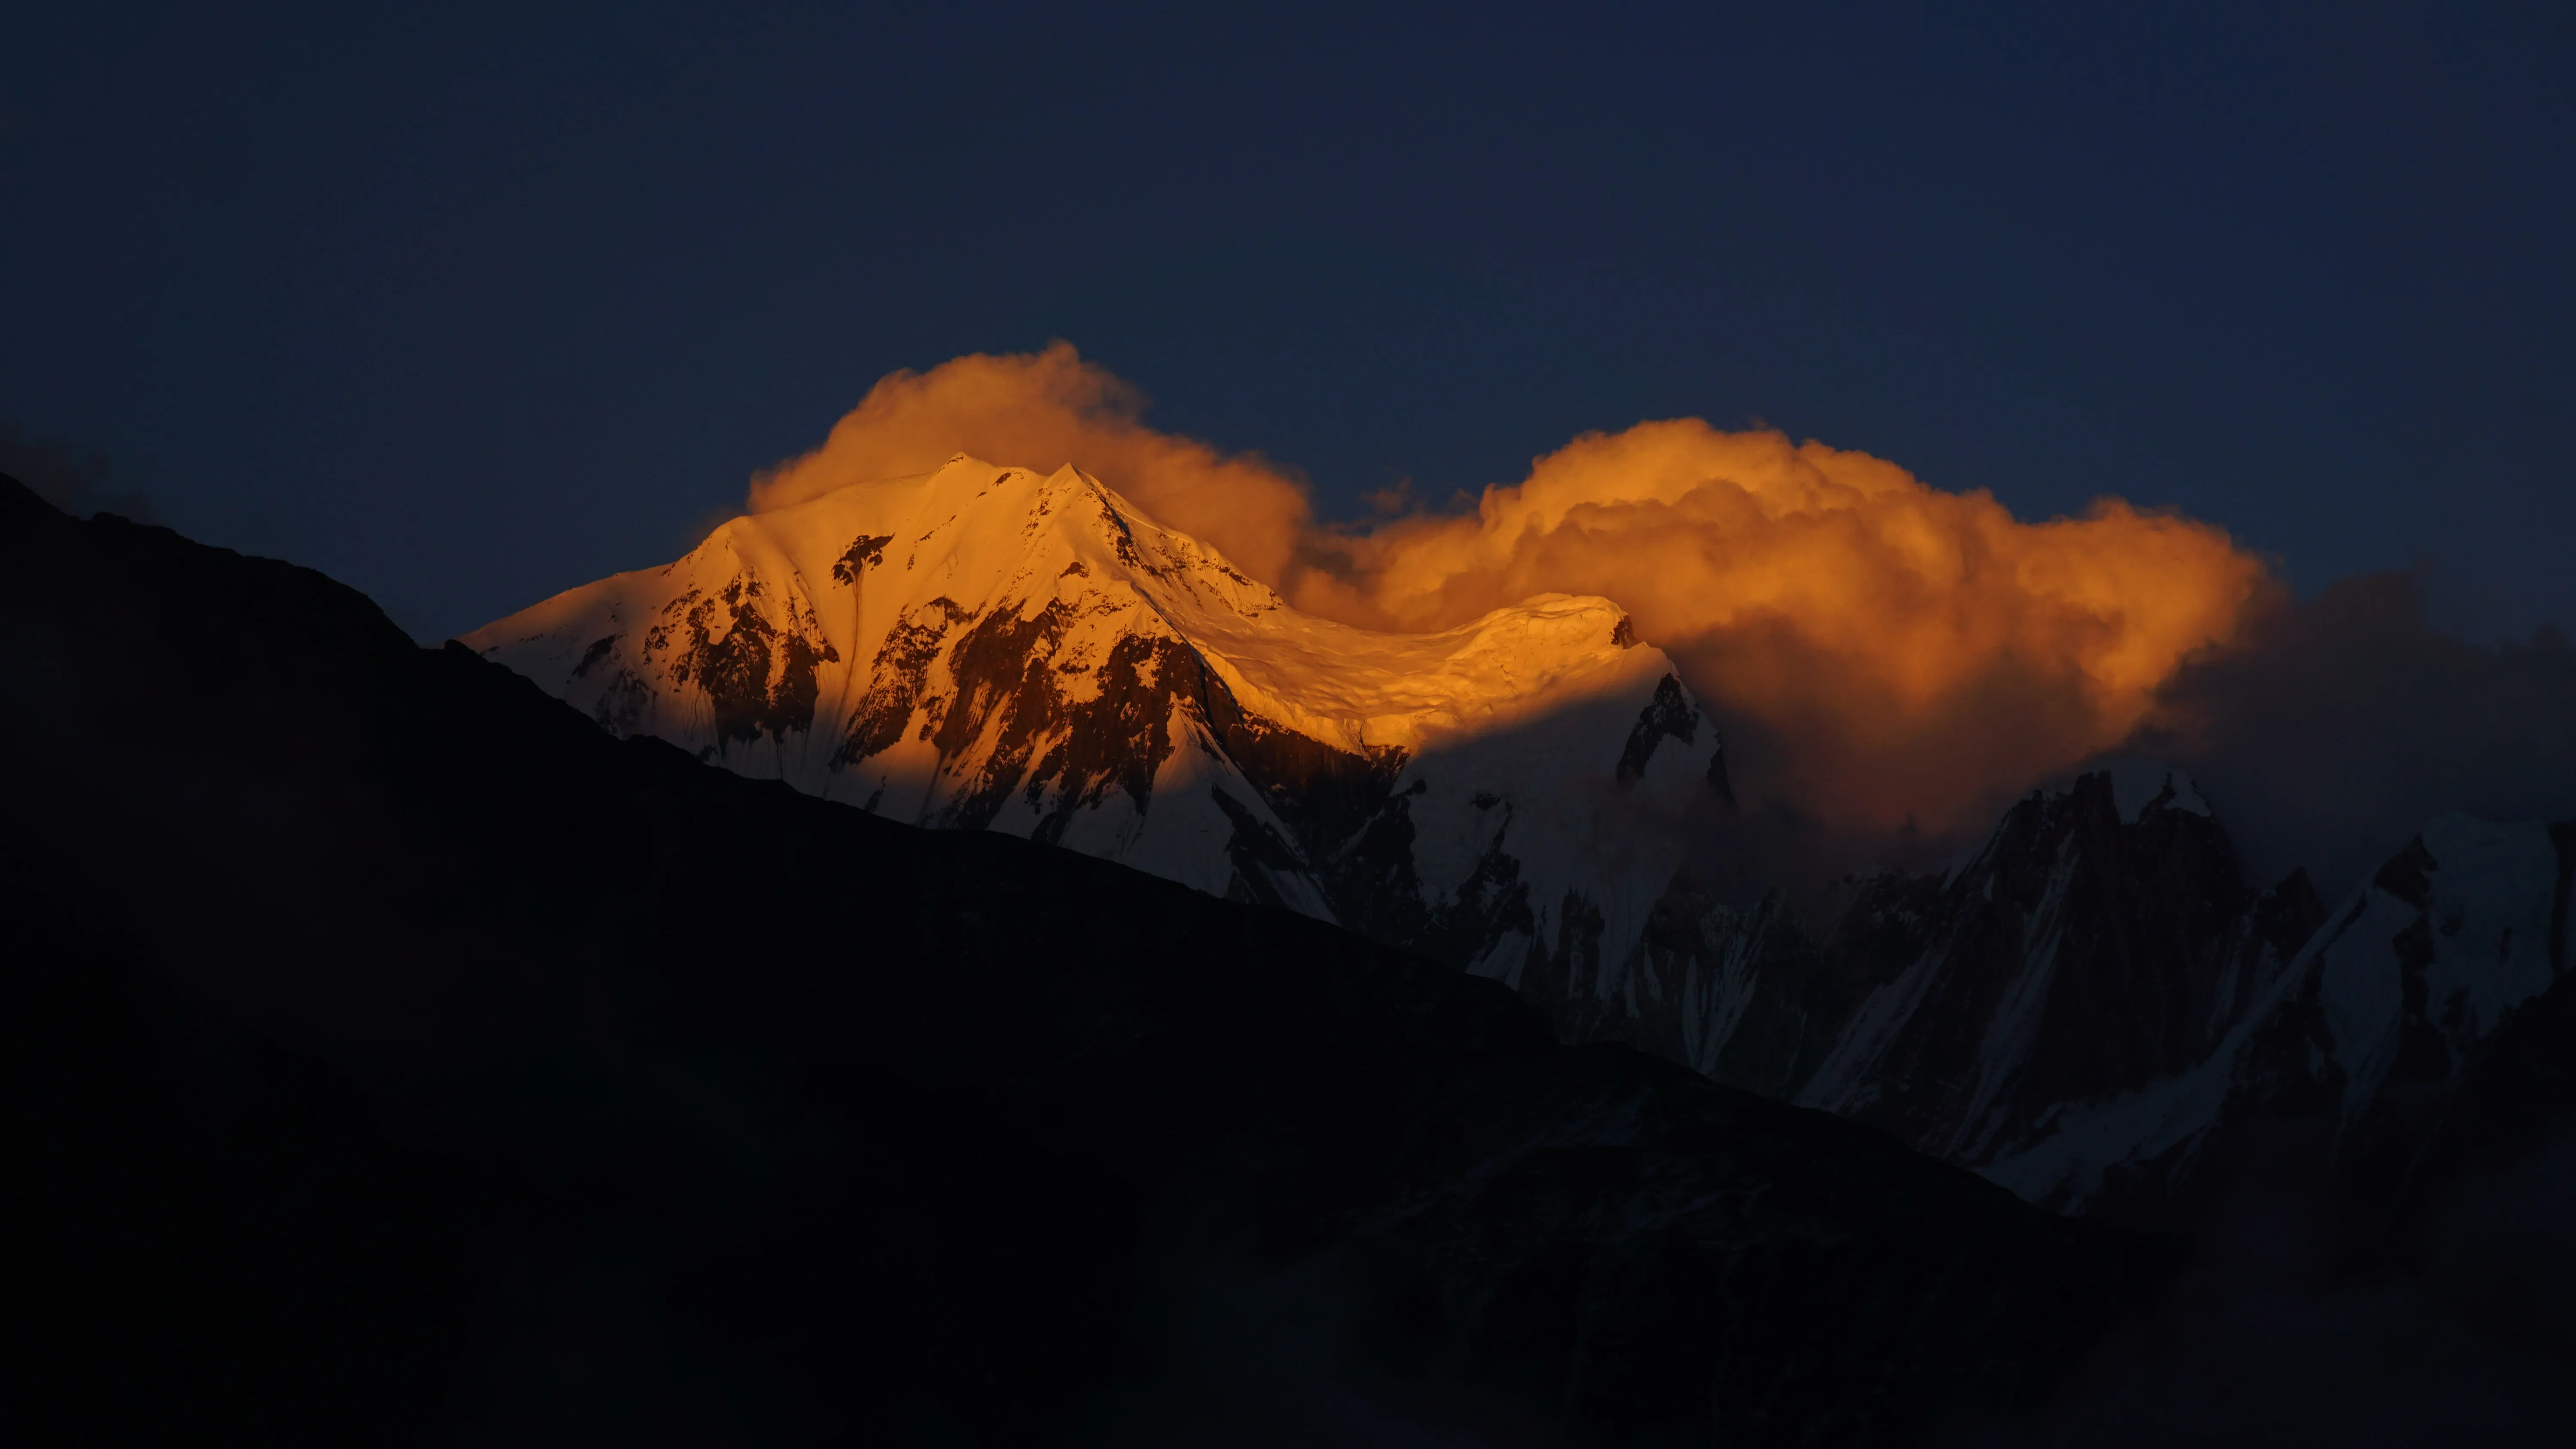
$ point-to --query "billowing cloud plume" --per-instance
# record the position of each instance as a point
(1880, 651)
(1043, 410)
(1890, 650)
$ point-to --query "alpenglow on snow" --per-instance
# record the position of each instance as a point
(990, 648)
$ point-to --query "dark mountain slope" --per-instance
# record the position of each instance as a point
(395, 1055)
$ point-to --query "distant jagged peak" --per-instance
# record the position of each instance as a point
(2140, 786)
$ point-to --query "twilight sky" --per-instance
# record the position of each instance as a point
(465, 306)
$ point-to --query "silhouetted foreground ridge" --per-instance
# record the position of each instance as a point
(397, 1055)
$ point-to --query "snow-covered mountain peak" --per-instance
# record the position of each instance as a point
(1008, 534)
(993, 648)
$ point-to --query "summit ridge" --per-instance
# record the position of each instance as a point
(987, 647)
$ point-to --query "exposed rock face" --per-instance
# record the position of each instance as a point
(2080, 952)
(983, 648)
(2096, 1005)
(411, 1059)
(2092, 1006)
(2077, 954)
(2365, 1049)
(1947, 1008)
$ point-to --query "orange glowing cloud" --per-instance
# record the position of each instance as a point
(1907, 651)
(1878, 649)
(1043, 410)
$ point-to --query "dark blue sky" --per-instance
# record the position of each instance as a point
(465, 304)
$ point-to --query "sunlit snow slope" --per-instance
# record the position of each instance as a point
(989, 648)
